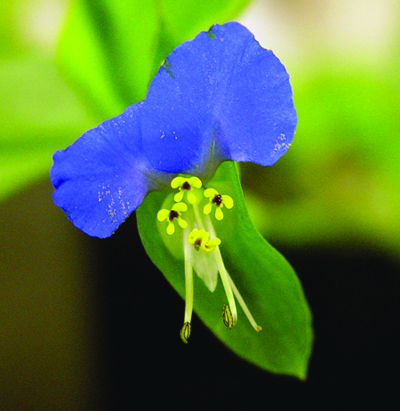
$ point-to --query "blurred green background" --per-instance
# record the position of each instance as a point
(65, 66)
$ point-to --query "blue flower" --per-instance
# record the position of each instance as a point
(218, 97)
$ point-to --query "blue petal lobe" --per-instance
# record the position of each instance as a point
(218, 97)
(103, 176)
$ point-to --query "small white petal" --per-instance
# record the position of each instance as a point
(206, 268)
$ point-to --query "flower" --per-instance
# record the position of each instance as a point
(219, 97)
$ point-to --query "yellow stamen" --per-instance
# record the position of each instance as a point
(186, 185)
(219, 200)
(200, 240)
(170, 215)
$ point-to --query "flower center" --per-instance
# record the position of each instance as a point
(217, 200)
(199, 235)
(173, 214)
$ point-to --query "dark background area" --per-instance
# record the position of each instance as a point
(104, 335)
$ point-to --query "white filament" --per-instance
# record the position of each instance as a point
(188, 277)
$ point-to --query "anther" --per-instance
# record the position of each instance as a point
(185, 332)
(173, 214)
(227, 317)
(186, 185)
(200, 240)
(217, 199)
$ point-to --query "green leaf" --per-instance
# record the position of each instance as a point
(185, 18)
(9, 41)
(264, 278)
(111, 50)
(39, 115)
(88, 55)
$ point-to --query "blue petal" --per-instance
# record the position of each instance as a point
(218, 97)
(103, 176)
